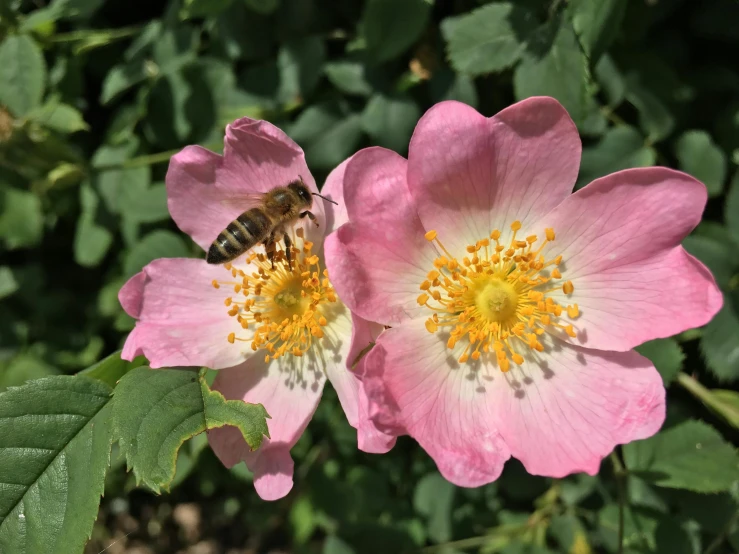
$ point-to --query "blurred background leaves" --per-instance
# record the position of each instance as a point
(96, 96)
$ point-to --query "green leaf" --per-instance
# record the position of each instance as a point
(726, 405)
(8, 284)
(55, 437)
(390, 27)
(719, 344)
(611, 80)
(21, 218)
(121, 78)
(59, 117)
(570, 533)
(691, 455)
(24, 367)
(447, 85)
(22, 74)
(672, 538)
(620, 148)
(157, 244)
(115, 185)
(156, 410)
(666, 355)
(717, 254)
(111, 369)
(299, 63)
(245, 35)
(335, 143)
(554, 65)
(654, 117)
(699, 156)
(639, 528)
(731, 208)
(488, 39)
(390, 120)
(204, 8)
(434, 499)
(147, 205)
(91, 240)
(597, 23)
(348, 77)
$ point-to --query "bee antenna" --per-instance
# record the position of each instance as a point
(326, 199)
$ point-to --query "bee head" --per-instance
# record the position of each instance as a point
(303, 192)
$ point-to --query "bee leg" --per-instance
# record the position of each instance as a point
(270, 247)
(310, 216)
(288, 250)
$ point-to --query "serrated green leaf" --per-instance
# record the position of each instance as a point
(554, 65)
(59, 117)
(620, 148)
(434, 498)
(115, 185)
(611, 80)
(666, 355)
(157, 244)
(488, 39)
(390, 120)
(21, 218)
(111, 369)
(691, 455)
(55, 437)
(719, 344)
(698, 155)
(596, 23)
(24, 367)
(156, 410)
(390, 27)
(22, 74)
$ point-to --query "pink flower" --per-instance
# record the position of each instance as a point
(515, 304)
(276, 335)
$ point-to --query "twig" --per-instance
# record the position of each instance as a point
(620, 473)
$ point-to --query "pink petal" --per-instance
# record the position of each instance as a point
(441, 404)
(378, 260)
(290, 395)
(333, 188)
(566, 413)
(203, 188)
(620, 241)
(182, 319)
(469, 175)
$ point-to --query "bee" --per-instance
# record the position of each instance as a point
(265, 223)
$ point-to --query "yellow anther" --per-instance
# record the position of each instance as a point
(422, 299)
(504, 364)
(471, 249)
(433, 274)
(426, 285)
(550, 234)
(556, 274)
(430, 235)
(215, 284)
(228, 301)
(570, 331)
(495, 235)
(231, 337)
(516, 225)
(531, 239)
(517, 358)
(568, 287)
(573, 311)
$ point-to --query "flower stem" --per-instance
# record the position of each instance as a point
(712, 402)
(620, 473)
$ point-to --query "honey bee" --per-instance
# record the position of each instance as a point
(265, 223)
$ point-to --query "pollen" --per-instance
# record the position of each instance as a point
(283, 304)
(498, 299)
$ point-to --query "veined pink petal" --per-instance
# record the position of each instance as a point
(444, 405)
(290, 395)
(206, 191)
(333, 188)
(469, 175)
(378, 260)
(619, 238)
(182, 320)
(564, 414)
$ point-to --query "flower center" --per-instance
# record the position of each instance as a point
(498, 298)
(283, 305)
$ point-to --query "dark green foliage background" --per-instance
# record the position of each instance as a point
(98, 95)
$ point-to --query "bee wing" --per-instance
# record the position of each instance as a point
(244, 201)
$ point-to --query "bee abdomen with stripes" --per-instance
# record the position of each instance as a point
(242, 234)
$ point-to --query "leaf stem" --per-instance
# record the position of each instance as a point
(620, 473)
(694, 387)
